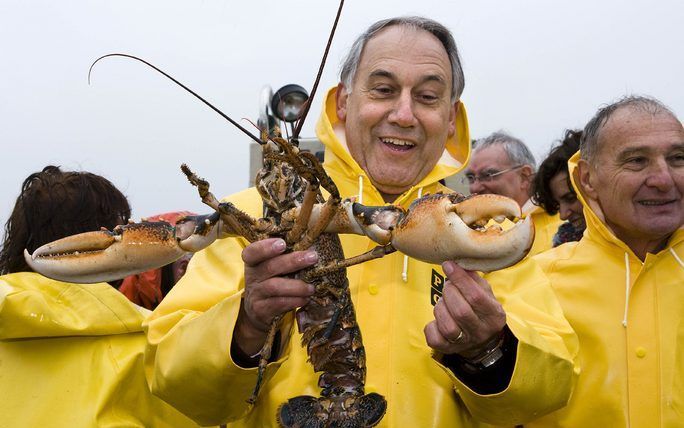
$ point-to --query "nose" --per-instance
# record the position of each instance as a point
(476, 187)
(564, 211)
(660, 176)
(402, 113)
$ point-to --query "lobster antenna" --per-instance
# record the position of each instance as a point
(307, 105)
(182, 86)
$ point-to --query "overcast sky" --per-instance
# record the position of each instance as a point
(533, 68)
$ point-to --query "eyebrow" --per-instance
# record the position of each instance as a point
(644, 149)
(632, 151)
(428, 78)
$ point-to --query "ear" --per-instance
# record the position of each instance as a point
(527, 174)
(341, 96)
(452, 117)
(587, 179)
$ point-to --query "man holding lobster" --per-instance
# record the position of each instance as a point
(439, 345)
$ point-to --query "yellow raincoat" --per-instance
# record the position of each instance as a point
(72, 356)
(190, 332)
(629, 317)
(545, 227)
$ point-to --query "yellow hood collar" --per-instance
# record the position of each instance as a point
(331, 131)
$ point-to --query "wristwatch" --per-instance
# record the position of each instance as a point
(487, 358)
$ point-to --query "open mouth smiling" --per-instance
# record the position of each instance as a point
(655, 203)
(397, 144)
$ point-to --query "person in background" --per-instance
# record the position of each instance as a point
(148, 288)
(554, 192)
(622, 285)
(503, 165)
(438, 344)
(71, 355)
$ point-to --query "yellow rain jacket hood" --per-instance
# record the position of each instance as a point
(72, 356)
(190, 333)
(629, 316)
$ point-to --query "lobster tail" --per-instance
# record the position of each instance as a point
(332, 412)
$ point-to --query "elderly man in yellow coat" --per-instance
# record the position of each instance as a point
(622, 285)
(439, 346)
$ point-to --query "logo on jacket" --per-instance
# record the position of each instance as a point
(436, 286)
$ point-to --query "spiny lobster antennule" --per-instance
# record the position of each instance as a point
(196, 95)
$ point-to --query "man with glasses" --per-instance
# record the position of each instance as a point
(502, 164)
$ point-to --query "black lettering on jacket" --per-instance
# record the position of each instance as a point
(436, 286)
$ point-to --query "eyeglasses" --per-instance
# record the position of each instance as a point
(486, 176)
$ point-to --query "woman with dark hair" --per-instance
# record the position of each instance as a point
(71, 354)
(553, 191)
(54, 204)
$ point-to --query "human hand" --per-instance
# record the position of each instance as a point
(468, 318)
(268, 293)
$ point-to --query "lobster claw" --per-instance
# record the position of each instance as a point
(445, 227)
(110, 255)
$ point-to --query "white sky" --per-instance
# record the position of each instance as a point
(533, 68)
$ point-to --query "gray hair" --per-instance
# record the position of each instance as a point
(592, 131)
(517, 151)
(351, 62)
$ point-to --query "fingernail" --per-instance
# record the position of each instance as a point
(311, 257)
(311, 289)
(279, 245)
(448, 267)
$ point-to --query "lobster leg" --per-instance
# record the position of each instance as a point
(330, 207)
(238, 222)
(264, 356)
(314, 231)
(376, 253)
(301, 222)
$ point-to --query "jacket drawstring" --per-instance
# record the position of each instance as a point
(627, 281)
(360, 188)
(676, 257)
(404, 272)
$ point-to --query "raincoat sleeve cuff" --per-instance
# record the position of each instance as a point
(545, 369)
(485, 380)
(541, 382)
(193, 369)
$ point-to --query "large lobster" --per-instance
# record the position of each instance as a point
(434, 229)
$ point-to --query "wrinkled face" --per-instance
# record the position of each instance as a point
(398, 114)
(491, 160)
(638, 176)
(570, 208)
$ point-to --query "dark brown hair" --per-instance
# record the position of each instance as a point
(54, 204)
(555, 162)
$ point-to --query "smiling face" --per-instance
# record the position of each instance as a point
(638, 177)
(569, 207)
(398, 113)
